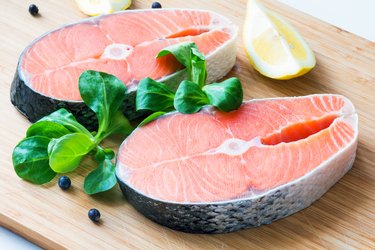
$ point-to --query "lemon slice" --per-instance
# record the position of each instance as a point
(274, 47)
(99, 7)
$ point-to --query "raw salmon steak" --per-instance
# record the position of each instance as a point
(124, 44)
(262, 162)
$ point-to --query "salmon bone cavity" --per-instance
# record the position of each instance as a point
(117, 51)
(235, 146)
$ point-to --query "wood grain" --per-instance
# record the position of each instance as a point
(344, 218)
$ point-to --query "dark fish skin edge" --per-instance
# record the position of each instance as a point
(34, 105)
(234, 215)
(216, 217)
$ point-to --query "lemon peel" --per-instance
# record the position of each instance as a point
(274, 47)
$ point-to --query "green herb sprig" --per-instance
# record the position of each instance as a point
(192, 94)
(57, 143)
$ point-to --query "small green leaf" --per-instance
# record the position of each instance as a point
(189, 98)
(185, 53)
(102, 154)
(154, 96)
(102, 178)
(51, 144)
(119, 125)
(226, 96)
(151, 117)
(30, 160)
(65, 118)
(68, 151)
(103, 93)
(99, 155)
(196, 54)
(109, 153)
(48, 129)
(198, 73)
(198, 67)
(181, 51)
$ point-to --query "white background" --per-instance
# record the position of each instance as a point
(355, 16)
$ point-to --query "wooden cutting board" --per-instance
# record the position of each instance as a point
(344, 218)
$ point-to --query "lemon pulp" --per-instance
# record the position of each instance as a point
(274, 47)
(99, 7)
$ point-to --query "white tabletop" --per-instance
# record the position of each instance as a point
(355, 16)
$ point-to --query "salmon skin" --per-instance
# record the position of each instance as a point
(124, 44)
(215, 172)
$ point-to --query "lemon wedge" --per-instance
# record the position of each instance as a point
(274, 47)
(99, 7)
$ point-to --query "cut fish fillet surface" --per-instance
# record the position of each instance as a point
(125, 44)
(264, 145)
